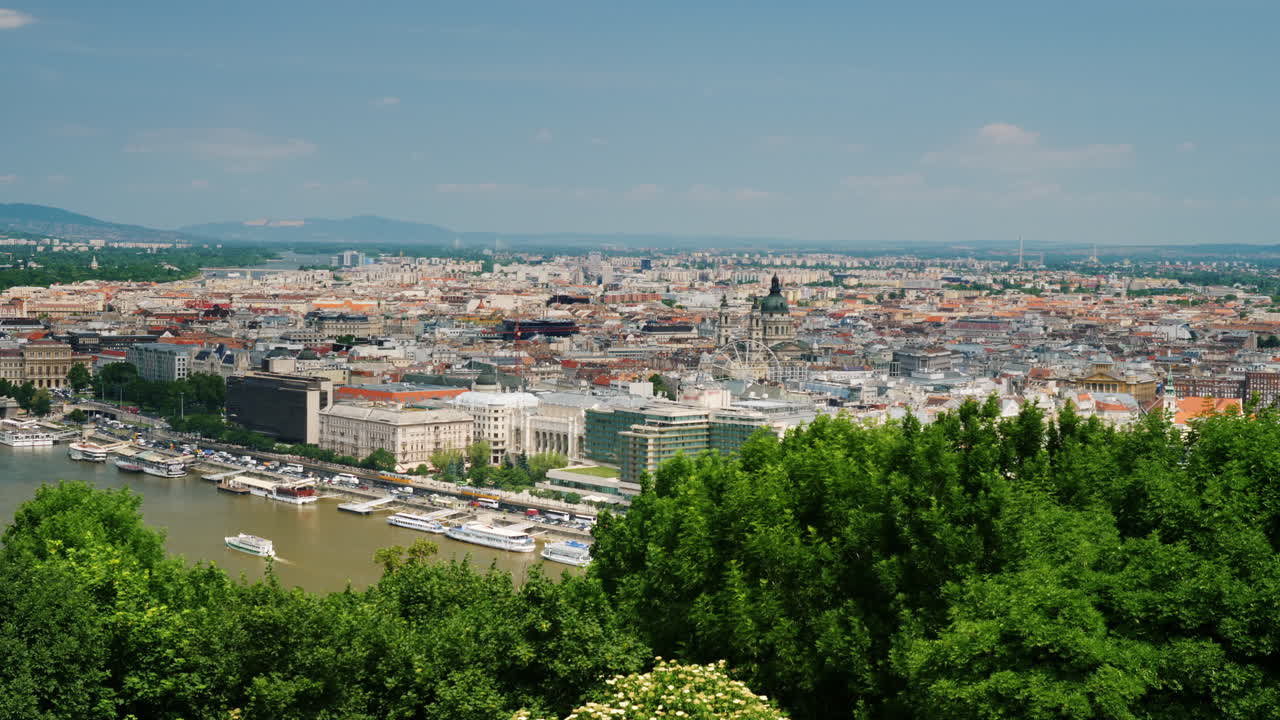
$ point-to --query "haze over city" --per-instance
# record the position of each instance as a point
(833, 122)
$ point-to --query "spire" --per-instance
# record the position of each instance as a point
(775, 287)
(724, 300)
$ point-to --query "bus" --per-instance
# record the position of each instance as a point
(588, 519)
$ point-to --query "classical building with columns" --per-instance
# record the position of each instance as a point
(43, 363)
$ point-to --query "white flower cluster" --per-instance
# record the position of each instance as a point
(672, 690)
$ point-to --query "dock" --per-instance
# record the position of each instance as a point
(364, 508)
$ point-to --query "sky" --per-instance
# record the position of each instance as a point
(841, 122)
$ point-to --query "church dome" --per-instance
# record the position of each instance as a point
(774, 303)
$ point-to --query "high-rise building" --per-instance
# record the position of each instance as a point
(286, 407)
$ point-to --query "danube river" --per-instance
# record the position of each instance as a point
(318, 547)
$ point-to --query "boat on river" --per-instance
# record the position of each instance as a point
(24, 434)
(413, 521)
(569, 552)
(251, 544)
(232, 486)
(87, 452)
(125, 464)
(478, 533)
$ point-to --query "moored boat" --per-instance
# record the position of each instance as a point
(162, 467)
(478, 533)
(127, 465)
(292, 494)
(415, 522)
(233, 487)
(24, 434)
(251, 544)
(569, 552)
(87, 451)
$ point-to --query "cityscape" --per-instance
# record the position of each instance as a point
(702, 361)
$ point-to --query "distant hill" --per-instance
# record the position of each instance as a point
(360, 230)
(56, 222)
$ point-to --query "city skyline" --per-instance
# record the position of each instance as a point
(1139, 124)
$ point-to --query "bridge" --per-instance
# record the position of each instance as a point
(364, 508)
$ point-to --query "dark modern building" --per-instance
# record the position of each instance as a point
(286, 407)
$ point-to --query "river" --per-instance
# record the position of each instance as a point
(319, 548)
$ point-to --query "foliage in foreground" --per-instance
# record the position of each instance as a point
(978, 567)
(698, 692)
(97, 622)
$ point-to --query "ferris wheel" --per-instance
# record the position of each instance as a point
(741, 360)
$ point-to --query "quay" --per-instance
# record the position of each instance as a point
(364, 508)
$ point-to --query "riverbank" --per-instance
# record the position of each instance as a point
(320, 548)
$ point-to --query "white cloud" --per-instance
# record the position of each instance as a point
(1186, 146)
(387, 101)
(643, 191)
(543, 135)
(8, 179)
(708, 193)
(199, 184)
(13, 19)
(236, 149)
(864, 183)
(1002, 133)
(467, 187)
(1006, 147)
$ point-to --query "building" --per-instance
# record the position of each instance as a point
(410, 434)
(43, 363)
(499, 416)
(286, 407)
(403, 393)
(333, 325)
(161, 361)
(922, 360)
(220, 360)
(769, 324)
(1263, 386)
(638, 440)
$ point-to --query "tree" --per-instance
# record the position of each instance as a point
(542, 462)
(77, 416)
(479, 453)
(41, 403)
(660, 387)
(379, 459)
(675, 690)
(78, 377)
(442, 458)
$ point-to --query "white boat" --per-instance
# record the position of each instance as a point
(163, 467)
(292, 494)
(127, 465)
(415, 522)
(478, 533)
(87, 451)
(251, 544)
(569, 552)
(24, 434)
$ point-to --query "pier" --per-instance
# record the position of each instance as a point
(364, 508)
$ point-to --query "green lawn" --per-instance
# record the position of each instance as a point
(595, 471)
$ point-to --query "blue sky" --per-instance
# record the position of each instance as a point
(1110, 122)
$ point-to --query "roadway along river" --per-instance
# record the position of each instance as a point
(319, 548)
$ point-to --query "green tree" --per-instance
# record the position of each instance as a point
(442, 458)
(41, 403)
(542, 462)
(479, 453)
(77, 416)
(379, 459)
(78, 377)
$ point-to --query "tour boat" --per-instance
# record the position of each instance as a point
(569, 552)
(233, 487)
(87, 451)
(478, 533)
(251, 544)
(127, 465)
(415, 522)
(292, 494)
(20, 434)
(163, 467)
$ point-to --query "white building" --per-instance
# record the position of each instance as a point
(499, 416)
(411, 434)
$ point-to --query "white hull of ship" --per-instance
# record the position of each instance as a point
(463, 535)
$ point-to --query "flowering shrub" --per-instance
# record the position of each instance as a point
(672, 690)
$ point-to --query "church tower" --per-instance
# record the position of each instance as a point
(724, 325)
